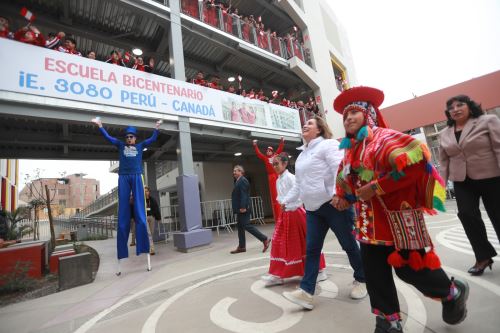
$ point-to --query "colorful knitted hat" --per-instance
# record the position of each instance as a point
(365, 99)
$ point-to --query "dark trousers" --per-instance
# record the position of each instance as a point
(380, 282)
(342, 224)
(244, 224)
(468, 193)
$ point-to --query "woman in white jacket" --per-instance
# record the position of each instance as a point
(288, 248)
(315, 174)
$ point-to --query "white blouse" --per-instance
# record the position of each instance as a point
(284, 184)
(316, 171)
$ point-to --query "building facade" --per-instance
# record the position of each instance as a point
(9, 175)
(67, 194)
(293, 50)
(425, 114)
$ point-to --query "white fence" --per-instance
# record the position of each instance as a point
(216, 214)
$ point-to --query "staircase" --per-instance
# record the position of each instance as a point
(105, 205)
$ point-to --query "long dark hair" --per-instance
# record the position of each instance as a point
(475, 108)
(283, 157)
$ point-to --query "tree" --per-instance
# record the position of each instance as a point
(13, 229)
(42, 198)
(35, 205)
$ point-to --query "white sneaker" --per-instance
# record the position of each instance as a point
(273, 281)
(358, 290)
(322, 276)
(266, 277)
(300, 297)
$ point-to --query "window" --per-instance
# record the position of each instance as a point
(61, 191)
(340, 76)
(62, 203)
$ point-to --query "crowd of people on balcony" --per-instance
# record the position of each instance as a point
(60, 42)
(224, 16)
(307, 109)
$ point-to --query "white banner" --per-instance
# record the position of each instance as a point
(43, 72)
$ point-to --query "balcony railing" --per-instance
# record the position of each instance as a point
(284, 47)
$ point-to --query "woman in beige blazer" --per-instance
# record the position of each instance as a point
(470, 157)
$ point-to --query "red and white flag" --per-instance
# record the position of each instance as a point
(126, 57)
(27, 14)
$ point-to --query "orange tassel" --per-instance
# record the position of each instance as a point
(431, 260)
(415, 261)
(401, 162)
(396, 260)
(426, 152)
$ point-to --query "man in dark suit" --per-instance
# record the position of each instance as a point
(240, 198)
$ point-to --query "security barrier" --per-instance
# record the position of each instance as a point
(215, 215)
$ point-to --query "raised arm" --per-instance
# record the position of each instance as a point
(257, 151)
(112, 140)
(281, 146)
(154, 136)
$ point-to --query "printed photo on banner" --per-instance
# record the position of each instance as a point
(244, 112)
(284, 118)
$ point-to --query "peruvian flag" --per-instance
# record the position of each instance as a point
(127, 56)
(27, 14)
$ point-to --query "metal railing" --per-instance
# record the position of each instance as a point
(284, 47)
(215, 214)
(100, 203)
(104, 227)
(99, 226)
(37, 230)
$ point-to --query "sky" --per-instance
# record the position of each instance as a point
(403, 47)
(414, 47)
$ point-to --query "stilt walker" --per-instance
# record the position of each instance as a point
(130, 180)
(272, 176)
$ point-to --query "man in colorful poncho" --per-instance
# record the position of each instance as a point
(380, 163)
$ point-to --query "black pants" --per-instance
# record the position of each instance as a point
(468, 193)
(244, 224)
(380, 282)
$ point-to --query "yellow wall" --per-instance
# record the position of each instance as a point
(9, 177)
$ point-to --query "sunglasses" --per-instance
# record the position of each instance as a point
(129, 137)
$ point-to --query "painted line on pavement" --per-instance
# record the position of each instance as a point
(415, 322)
(220, 315)
(92, 321)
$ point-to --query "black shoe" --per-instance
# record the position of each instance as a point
(455, 310)
(267, 242)
(238, 250)
(384, 326)
(478, 268)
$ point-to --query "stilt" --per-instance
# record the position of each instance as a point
(119, 270)
(149, 262)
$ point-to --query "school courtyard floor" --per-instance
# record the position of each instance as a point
(212, 290)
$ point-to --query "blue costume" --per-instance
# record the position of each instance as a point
(130, 179)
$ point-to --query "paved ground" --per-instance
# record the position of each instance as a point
(214, 291)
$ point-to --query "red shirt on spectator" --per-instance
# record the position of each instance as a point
(30, 35)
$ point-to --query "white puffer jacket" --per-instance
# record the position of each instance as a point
(315, 173)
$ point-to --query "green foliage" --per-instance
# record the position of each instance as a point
(18, 279)
(12, 227)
